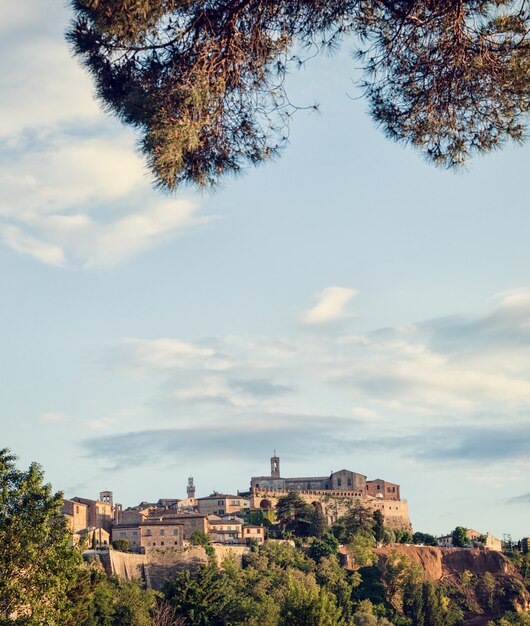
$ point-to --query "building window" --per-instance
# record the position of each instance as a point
(349, 482)
(135, 532)
(162, 532)
(123, 534)
(339, 482)
(77, 509)
(175, 531)
(378, 487)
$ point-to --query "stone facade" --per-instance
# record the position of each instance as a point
(336, 504)
(336, 494)
(490, 542)
(76, 514)
(254, 533)
(343, 480)
(225, 530)
(99, 514)
(221, 504)
(378, 487)
(150, 534)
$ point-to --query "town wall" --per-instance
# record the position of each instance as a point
(156, 566)
(336, 504)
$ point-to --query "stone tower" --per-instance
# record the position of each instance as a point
(106, 497)
(191, 488)
(275, 466)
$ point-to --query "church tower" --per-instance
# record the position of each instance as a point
(275, 466)
(191, 488)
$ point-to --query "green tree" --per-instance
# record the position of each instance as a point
(115, 602)
(205, 598)
(321, 548)
(378, 526)
(361, 548)
(204, 81)
(39, 568)
(122, 545)
(460, 537)
(424, 539)
(319, 523)
(309, 605)
(358, 519)
(199, 538)
(295, 515)
(489, 585)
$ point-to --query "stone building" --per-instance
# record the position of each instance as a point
(225, 530)
(151, 534)
(99, 513)
(76, 515)
(191, 521)
(222, 504)
(378, 487)
(476, 540)
(343, 480)
(335, 493)
(253, 533)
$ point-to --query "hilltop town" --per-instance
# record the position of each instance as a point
(226, 518)
(238, 518)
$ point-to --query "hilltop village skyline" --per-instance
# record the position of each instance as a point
(226, 517)
(106, 520)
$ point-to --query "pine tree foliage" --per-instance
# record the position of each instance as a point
(204, 81)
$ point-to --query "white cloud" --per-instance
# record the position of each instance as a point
(80, 239)
(54, 417)
(73, 189)
(17, 240)
(403, 375)
(330, 306)
(165, 353)
(42, 87)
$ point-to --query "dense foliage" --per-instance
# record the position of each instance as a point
(204, 81)
(298, 580)
(38, 568)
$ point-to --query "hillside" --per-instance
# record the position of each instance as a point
(483, 583)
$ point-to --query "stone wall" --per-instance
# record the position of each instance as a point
(335, 504)
(156, 566)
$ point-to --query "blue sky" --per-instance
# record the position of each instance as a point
(347, 305)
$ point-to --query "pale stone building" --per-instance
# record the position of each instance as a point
(151, 534)
(222, 504)
(335, 493)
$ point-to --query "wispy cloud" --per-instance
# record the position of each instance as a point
(74, 192)
(426, 398)
(53, 417)
(522, 499)
(330, 306)
(246, 438)
(260, 388)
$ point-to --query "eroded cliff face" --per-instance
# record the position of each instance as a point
(446, 566)
(443, 563)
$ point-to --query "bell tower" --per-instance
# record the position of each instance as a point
(275, 466)
(191, 488)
